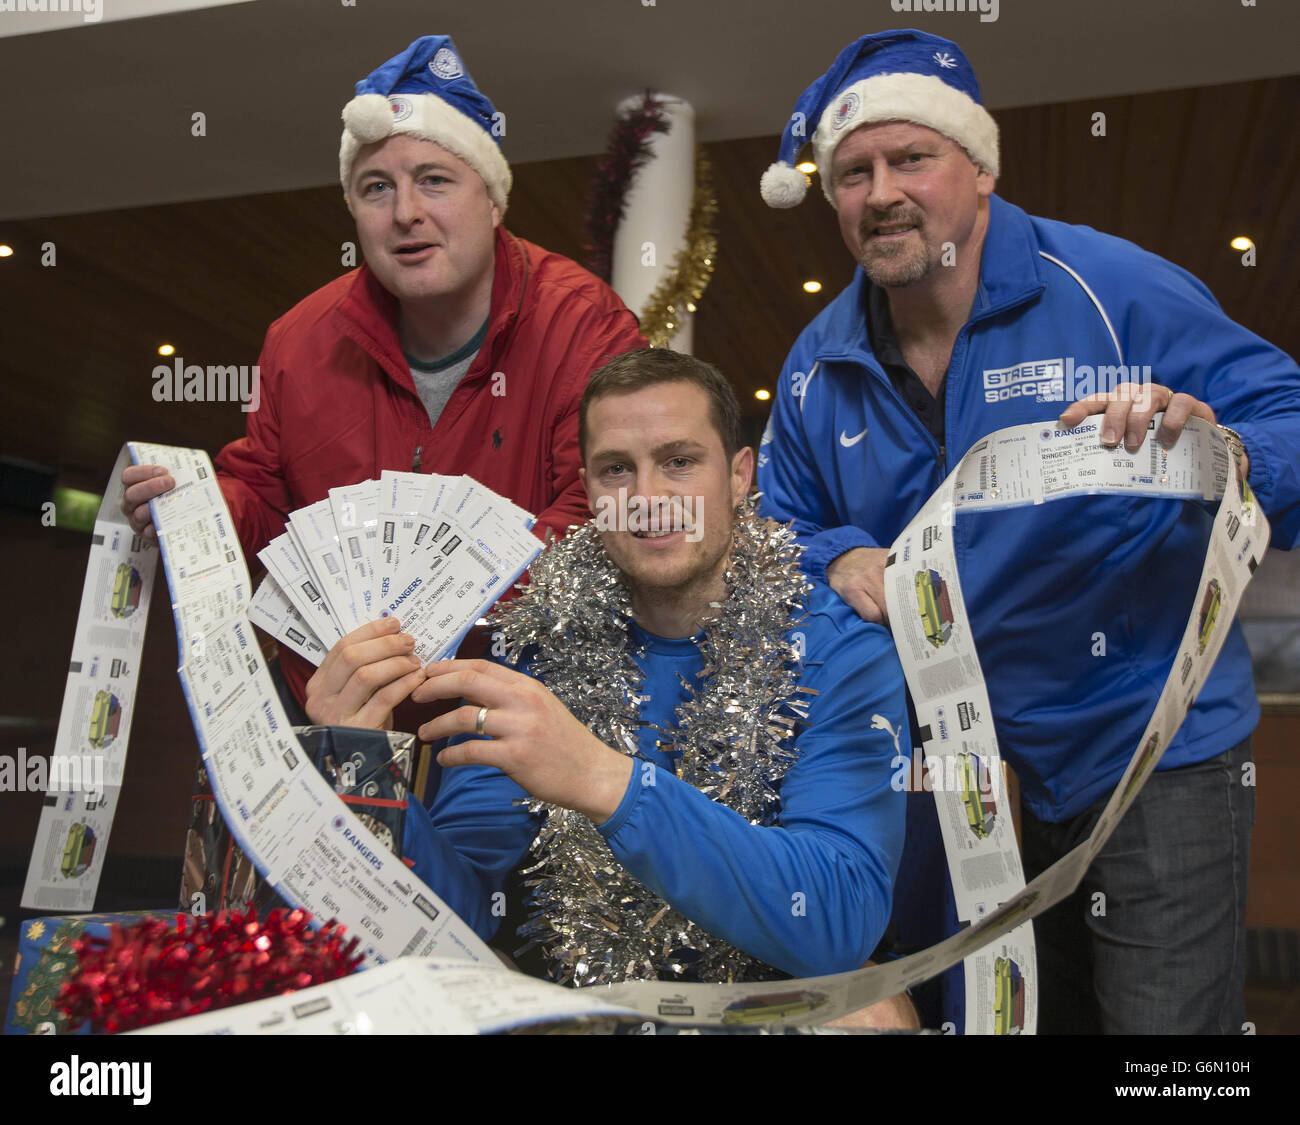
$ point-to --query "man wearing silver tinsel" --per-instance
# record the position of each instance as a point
(699, 745)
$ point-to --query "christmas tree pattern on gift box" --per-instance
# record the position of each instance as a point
(36, 1009)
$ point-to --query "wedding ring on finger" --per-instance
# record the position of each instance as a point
(482, 718)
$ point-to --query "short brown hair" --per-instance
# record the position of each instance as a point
(647, 367)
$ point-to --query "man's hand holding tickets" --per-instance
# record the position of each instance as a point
(143, 483)
(531, 736)
(364, 676)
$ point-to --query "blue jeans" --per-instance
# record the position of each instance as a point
(1163, 950)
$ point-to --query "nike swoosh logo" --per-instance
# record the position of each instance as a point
(850, 442)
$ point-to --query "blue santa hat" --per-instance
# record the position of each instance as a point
(427, 92)
(901, 75)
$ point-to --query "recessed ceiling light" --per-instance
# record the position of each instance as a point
(1241, 242)
(812, 286)
(807, 167)
(762, 394)
(166, 349)
(6, 251)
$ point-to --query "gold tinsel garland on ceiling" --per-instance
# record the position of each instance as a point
(692, 267)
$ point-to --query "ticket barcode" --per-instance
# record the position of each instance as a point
(480, 558)
(416, 941)
(52, 899)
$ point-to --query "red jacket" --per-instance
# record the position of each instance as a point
(338, 404)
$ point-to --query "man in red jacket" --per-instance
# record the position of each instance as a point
(456, 348)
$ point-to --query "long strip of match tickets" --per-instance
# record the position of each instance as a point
(439, 551)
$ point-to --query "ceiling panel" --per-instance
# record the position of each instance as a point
(98, 117)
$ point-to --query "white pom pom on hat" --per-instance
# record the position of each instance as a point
(368, 117)
(783, 185)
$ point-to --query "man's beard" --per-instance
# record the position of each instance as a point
(891, 265)
(650, 584)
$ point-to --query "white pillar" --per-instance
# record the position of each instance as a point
(657, 211)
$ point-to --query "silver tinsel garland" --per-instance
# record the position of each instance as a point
(596, 923)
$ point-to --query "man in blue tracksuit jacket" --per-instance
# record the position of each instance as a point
(965, 316)
(838, 840)
(804, 887)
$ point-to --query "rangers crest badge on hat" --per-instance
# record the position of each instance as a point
(445, 64)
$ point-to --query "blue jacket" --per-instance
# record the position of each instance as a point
(1077, 606)
(837, 842)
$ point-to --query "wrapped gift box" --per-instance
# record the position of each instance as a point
(371, 771)
(45, 960)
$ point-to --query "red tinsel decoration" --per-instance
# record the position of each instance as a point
(153, 971)
(627, 150)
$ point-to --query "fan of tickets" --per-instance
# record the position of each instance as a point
(433, 551)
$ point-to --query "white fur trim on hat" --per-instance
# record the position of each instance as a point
(783, 186)
(919, 98)
(429, 117)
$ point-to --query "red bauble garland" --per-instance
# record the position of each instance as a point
(627, 150)
(155, 970)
